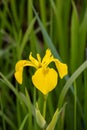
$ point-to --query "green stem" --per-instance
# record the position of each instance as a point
(44, 106)
(85, 98)
(18, 109)
(43, 11)
(3, 120)
(34, 102)
(75, 91)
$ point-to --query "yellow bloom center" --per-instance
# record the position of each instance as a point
(45, 78)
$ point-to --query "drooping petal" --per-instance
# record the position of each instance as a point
(19, 69)
(18, 75)
(45, 79)
(62, 68)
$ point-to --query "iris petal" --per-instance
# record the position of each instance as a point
(39, 58)
(18, 76)
(62, 68)
(19, 69)
(45, 79)
(34, 61)
(47, 59)
(47, 56)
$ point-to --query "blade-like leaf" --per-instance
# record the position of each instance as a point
(74, 39)
(23, 122)
(46, 36)
(70, 81)
(26, 36)
(8, 120)
(39, 118)
(55, 118)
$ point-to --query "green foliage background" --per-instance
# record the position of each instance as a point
(33, 26)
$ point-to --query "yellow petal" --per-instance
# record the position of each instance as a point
(47, 56)
(34, 61)
(62, 68)
(18, 75)
(39, 58)
(19, 69)
(47, 59)
(45, 79)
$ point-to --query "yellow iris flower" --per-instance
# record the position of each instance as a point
(45, 78)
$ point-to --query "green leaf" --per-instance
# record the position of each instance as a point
(23, 122)
(70, 81)
(46, 36)
(53, 122)
(29, 109)
(8, 120)
(5, 81)
(25, 100)
(74, 39)
(55, 118)
(82, 37)
(14, 12)
(26, 36)
(39, 118)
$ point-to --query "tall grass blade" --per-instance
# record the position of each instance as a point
(8, 121)
(3, 120)
(82, 37)
(85, 95)
(23, 122)
(43, 11)
(56, 116)
(69, 83)
(15, 13)
(74, 39)
(26, 36)
(29, 110)
(75, 106)
(5, 81)
(46, 36)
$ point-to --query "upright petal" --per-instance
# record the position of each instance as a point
(45, 79)
(62, 68)
(34, 61)
(47, 59)
(38, 57)
(47, 56)
(19, 69)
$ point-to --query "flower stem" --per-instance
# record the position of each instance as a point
(44, 106)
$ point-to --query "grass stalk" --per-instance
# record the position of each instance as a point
(3, 120)
(30, 126)
(75, 102)
(43, 11)
(74, 38)
(85, 98)
(44, 106)
(15, 13)
(69, 83)
(11, 124)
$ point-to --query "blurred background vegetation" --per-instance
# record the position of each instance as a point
(62, 27)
